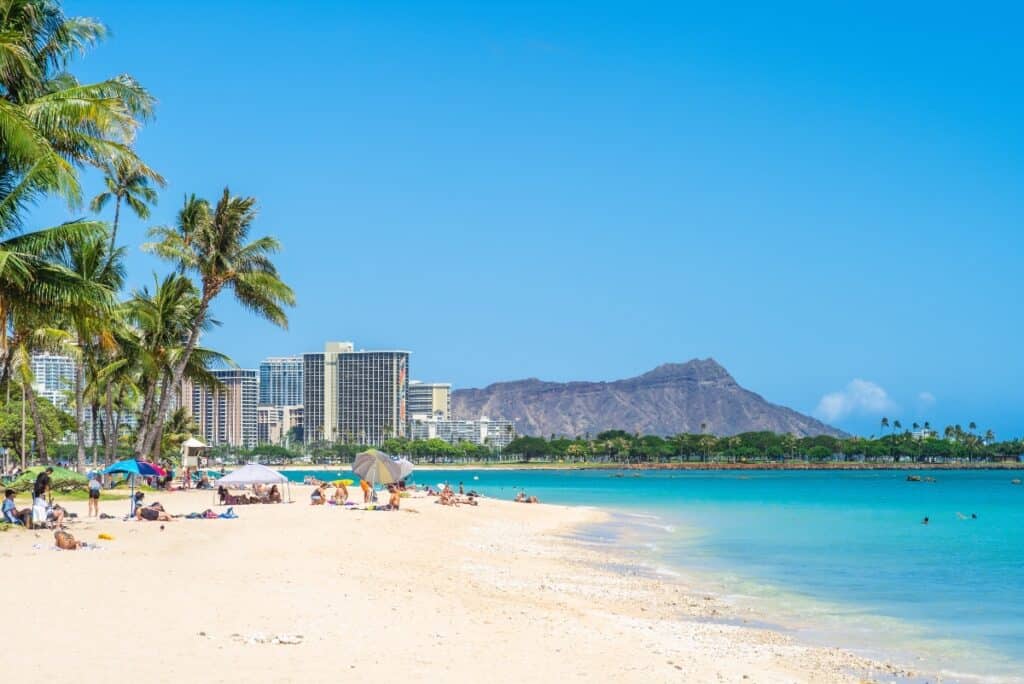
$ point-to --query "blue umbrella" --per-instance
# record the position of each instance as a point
(131, 468)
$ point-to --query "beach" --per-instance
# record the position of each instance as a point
(499, 591)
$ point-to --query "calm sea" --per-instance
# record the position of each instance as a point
(838, 557)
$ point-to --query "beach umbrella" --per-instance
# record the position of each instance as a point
(131, 468)
(405, 467)
(157, 470)
(377, 467)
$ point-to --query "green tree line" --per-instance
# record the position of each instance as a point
(618, 446)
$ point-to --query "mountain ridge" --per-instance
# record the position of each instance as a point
(668, 399)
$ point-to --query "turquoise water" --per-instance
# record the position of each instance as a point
(841, 556)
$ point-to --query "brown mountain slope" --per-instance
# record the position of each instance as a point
(672, 398)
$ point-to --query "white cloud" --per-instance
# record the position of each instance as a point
(926, 398)
(858, 397)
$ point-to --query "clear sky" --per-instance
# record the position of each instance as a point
(826, 200)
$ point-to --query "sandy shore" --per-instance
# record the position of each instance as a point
(494, 593)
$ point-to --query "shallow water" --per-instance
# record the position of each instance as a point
(839, 556)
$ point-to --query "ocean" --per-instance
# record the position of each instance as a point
(837, 557)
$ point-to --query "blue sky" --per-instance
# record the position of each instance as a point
(826, 200)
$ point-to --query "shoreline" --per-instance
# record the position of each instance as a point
(501, 584)
(837, 466)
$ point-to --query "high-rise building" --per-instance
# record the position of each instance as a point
(275, 423)
(355, 396)
(331, 352)
(492, 433)
(430, 400)
(227, 413)
(281, 381)
(372, 395)
(313, 397)
(54, 378)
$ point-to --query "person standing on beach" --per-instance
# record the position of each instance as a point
(42, 485)
(94, 495)
(364, 484)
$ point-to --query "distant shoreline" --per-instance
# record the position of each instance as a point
(688, 466)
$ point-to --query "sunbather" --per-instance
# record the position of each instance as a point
(395, 499)
(65, 541)
(152, 514)
(340, 494)
(275, 495)
(319, 495)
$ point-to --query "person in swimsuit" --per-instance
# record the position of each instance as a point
(65, 541)
(367, 490)
(94, 495)
(395, 499)
(319, 495)
(340, 493)
(152, 514)
(274, 496)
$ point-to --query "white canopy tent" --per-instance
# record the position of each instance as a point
(254, 474)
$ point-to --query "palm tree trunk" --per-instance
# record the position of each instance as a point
(37, 420)
(80, 413)
(95, 437)
(178, 371)
(110, 441)
(157, 431)
(113, 231)
(146, 415)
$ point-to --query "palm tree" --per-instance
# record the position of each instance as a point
(130, 182)
(90, 261)
(51, 124)
(31, 278)
(884, 424)
(162, 320)
(211, 242)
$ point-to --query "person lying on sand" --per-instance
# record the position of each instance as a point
(66, 542)
(152, 514)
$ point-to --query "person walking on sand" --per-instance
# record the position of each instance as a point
(94, 495)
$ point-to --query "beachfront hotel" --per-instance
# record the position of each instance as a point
(496, 434)
(274, 424)
(54, 378)
(281, 381)
(226, 414)
(430, 400)
(355, 396)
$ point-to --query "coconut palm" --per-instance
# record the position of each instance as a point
(129, 182)
(92, 321)
(162, 320)
(50, 124)
(212, 243)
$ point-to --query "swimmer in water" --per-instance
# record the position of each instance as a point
(925, 521)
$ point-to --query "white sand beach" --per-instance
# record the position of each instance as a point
(494, 593)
